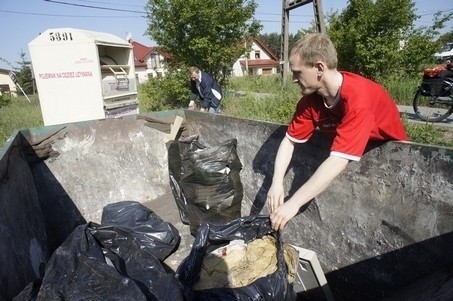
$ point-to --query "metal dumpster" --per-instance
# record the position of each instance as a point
(382, 230)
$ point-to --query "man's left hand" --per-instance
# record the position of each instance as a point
(283, 214)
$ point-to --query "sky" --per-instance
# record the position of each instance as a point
(21, 21)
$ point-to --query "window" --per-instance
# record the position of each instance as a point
(257, 54)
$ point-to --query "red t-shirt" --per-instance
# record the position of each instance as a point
(363, 111)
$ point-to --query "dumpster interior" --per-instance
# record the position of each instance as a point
(382, 231)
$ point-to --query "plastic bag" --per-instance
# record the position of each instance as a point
(210, 235)
(111, 262)
(159, 237)
(205, 181)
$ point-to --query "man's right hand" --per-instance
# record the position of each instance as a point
(275, 197)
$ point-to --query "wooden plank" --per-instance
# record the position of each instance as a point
(175, 128)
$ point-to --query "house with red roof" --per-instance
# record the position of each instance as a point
(149, 61)
(260, 60)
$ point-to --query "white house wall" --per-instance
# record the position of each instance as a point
(155, 61)
(256, 48)
(239, 70)
(6, 80)
(141, 74)
(155, 67)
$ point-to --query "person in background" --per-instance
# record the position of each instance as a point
(203, 85)
(350, 109)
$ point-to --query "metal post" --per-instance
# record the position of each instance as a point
(319, 18)
(285, 41)
(288, 5)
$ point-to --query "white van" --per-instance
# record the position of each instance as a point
(445, 53)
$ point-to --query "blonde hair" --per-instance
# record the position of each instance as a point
(193, 69)
(316, 47)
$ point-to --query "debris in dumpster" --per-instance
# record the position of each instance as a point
(41, 150)
(211, 236)
(112, 262)
(239, 264)
(205, 181)
(162, 125)
(162, 238)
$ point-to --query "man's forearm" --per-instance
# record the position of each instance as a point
(320, 180)
(284, 155)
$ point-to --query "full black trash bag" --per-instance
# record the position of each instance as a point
(205, 181)
(159, 237)
(210, 235)
(106, 263)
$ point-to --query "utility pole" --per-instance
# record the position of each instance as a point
(288, 5)
(284, 61)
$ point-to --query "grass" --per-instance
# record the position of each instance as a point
(428, 133)
(401, 89)
(17, 114)
(271, 102)
(254, 97)
(256, 83)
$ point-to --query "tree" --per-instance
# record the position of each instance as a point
(445, 38)
(274, 40)
(378, 38)
(24, 74)
(209, 34)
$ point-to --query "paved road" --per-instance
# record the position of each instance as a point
(409, 111)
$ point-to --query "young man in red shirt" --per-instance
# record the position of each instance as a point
(347, 107)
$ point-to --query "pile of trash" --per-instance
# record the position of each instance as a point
(239, 264)
(122, 258)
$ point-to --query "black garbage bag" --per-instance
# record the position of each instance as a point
(205, 181)
(156, 236)
(106, 263)
(210, 235)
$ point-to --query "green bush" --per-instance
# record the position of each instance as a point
(4, 100)
(164, 93)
